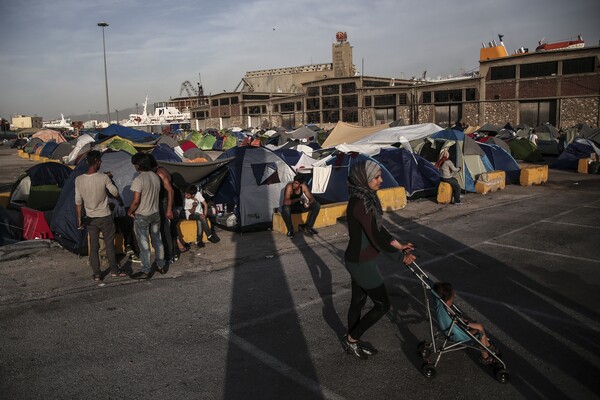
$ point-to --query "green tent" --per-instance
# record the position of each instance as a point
(120, 144)
(195, 137)
(207, 142)
(229, 142)
(523, 149)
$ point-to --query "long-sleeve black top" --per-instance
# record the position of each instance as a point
(366, 240)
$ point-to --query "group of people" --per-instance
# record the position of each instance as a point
(153, 204)
(151, 210)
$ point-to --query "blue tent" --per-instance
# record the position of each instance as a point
(337, 187)
(64, 218)
(503, 161)
(126, 133)
(418, 176)
(48, 149)
(164, 152)
(580, 148)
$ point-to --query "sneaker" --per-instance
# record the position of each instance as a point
(214, 238)
(290, 235)
(367, 348)
(353, 348)
(304, 228)
(134, 258)
(200, 245)
(129, 250)
(141, 275)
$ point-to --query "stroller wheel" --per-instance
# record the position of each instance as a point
(502, 375)
(428, 370)
(423, 349)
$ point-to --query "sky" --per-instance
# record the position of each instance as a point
(52, 54)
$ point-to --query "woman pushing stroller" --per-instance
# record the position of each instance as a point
(368, 238)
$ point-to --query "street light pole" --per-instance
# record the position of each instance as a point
(104, 25)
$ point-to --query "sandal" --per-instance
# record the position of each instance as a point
(119, 274)
(97, 278)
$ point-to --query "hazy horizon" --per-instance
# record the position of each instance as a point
(52, 59)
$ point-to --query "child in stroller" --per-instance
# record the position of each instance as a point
(444, 320)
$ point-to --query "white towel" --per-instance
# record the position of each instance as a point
(320, 178)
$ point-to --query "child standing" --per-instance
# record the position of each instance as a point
(195, 208)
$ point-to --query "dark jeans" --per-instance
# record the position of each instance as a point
(124, 225)
(313, 213)
(455, 188)
(168, 229)
(107, 227)
(381, 305)
(201, 224)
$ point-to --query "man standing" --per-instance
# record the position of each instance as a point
(144, 210)
(297, 198)
(91, 192)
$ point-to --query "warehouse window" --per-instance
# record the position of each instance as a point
(536, 70)
(579, 65)
(505, 72)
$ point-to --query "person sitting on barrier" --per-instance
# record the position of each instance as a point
(444, 320)
(447, 171)
(297, 199)
(195, 208)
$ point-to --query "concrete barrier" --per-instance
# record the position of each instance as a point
(327, 216)
(583, 165)
(533, 174)
(188, 230)
(444, 195)
(490, 182)
(392, 198)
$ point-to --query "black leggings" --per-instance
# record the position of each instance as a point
(381, 305)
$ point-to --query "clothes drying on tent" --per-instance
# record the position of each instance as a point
(337, 186)
(40, 186)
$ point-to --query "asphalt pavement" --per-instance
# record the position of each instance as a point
(259, 316)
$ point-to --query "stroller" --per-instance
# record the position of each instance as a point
(441, 340)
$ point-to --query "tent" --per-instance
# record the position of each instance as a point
(168, 140)
(126, 133)
(49, 148)
(580, 148)
(49, 135)
(502, 160)
(523, 149)
(206, 142)
(400, 134)
(165, 152)
(117, 143)
(64, 219)
(83, 143)
(340, 163)
(348, 133)
(62, 150)
(32, 144)
(418, 176)
(40, 186)
(547, 139)
(495, 140)
(195, 153)
(9, 232)
(255, 183)
(464, 153)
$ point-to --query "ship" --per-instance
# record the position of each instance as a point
(566, 44)
(161, 116)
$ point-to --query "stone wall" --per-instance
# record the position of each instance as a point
(470, 113)
(500, 112)
(425, 114)
(579, 110)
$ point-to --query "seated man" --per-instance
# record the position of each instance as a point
(444, 320)
(297, 198)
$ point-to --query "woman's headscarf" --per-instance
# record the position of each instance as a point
(444, 155)
(361, 173)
